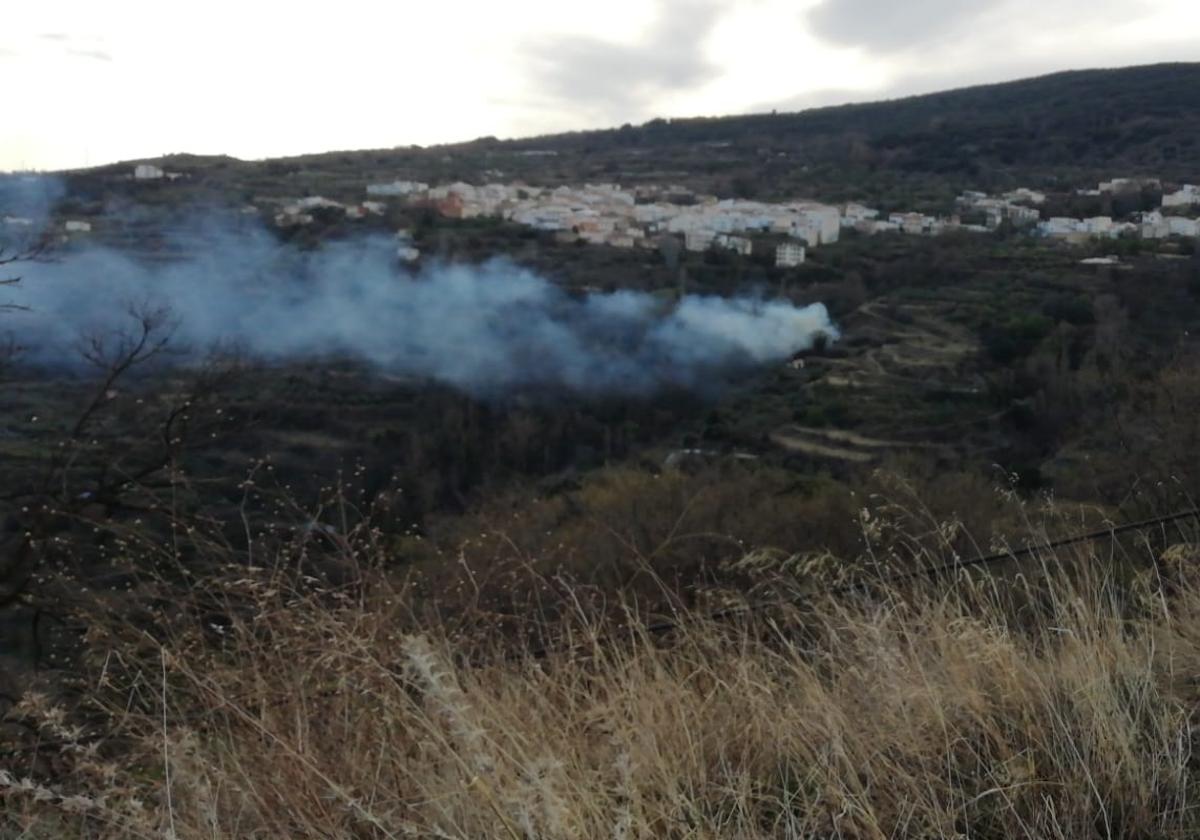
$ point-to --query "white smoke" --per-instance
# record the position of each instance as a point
(485, 329)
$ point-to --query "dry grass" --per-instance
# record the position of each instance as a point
(1053, 706)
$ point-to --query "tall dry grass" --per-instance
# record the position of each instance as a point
(1054, 703)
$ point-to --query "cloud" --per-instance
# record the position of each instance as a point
(613, 81)
(54, 36)
(886, 25)
(95, 55)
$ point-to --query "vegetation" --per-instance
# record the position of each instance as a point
(1053, 703)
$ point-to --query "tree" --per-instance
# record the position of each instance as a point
(10, 256)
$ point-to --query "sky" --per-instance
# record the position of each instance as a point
(87, 83)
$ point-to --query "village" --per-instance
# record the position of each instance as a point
(607, 214)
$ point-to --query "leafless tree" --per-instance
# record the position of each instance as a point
(107, 463)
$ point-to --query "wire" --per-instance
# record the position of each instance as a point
(667, 625)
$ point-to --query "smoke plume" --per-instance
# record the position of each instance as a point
(485, 329)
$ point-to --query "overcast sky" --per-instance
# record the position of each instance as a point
(88, 82)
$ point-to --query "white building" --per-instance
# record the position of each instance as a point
(147, 172)
(698, 240)
(1154, 226)
(1179, 226)
(1119, 185)
(1060, 226)
(313, 202)
(1022, 216)
(1022, 194)
(1188, 195)
(738, 244)
(397, 188)
(74, 226)
(789, 255)
(852, 214)
(873, 226)
(912, 223)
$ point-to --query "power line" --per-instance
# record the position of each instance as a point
(668, 625)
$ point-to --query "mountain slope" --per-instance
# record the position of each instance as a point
(1066, 129)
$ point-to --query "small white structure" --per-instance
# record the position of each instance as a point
(1154, 226)
(738, 244)
(1023, 194)
(789, 255)
(853, 213)
(314, 201)
(147, 172)
(397, 188)
(1060, 226)
(408, 254)
(76, 226)
(1120, 185)
(1188, 195)
(293, 219)
(698, 240)
(1179, 226)
(1020, 215)
(912, 223)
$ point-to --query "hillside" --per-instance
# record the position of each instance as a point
(1065, 129)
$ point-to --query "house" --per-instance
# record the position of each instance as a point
(1154, 226)
(789, 255)
(826, 220)
(314, 202)
(1023, 194)
(873, 226)
(1023, 216)
(147, 172)
(1188, 195)
(913, 223)
(852, 214)
(397, 188)
(1179, 226)
(1120, 185)
(738, 244)
(698, 240)
(1059, 226)
(74, 226)
(292, 219)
